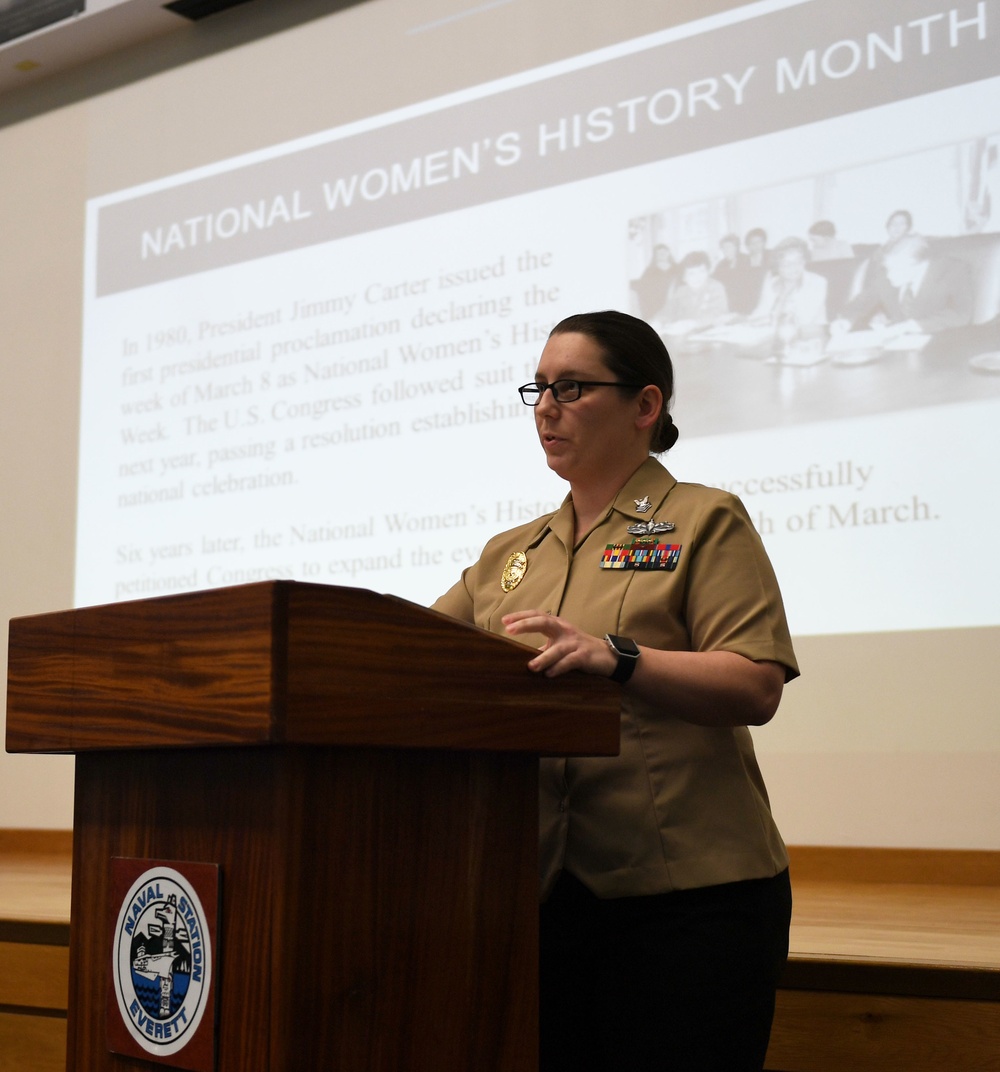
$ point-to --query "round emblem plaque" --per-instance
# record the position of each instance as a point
(162, 961)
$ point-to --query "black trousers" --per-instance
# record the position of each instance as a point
(678, 982)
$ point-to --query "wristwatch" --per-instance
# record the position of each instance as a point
(628, 655)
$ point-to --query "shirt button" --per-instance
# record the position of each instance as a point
(563, 805)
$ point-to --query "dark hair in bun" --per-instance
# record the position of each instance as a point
(635, 354)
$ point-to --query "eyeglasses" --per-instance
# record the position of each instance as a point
(565, 390)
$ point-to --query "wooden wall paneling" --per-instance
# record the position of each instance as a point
(35, 870)
(34, 975)
(818, 1031)
(32, 1043)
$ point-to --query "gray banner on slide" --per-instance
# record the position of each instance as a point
(691, 93)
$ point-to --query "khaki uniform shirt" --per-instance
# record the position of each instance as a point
(682, 805)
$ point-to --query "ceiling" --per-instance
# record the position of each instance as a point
(104, 27)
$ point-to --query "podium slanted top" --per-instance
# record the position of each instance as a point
(287, 662)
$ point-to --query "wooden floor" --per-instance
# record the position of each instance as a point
(894, 965)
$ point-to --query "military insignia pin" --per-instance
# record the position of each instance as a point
(513, 571)
(649, 528)
(643, 504)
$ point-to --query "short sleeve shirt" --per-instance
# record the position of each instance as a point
(682, 805)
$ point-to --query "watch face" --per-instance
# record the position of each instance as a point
(624, 646)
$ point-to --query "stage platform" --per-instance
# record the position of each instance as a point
(894, 963)
(35, 873)
(894, 966)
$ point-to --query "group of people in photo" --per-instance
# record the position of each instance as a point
(818, 284)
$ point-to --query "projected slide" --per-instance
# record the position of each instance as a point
(303, 364)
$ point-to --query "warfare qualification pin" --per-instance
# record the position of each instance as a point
(513, 571)
(650, 528)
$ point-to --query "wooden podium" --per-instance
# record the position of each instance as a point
(362, 771)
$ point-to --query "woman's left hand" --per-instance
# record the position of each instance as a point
(708, 688)
(566, 647)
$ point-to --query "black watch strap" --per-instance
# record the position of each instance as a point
(628, 655)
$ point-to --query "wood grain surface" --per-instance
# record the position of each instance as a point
(31, 1043)
(283, 661)
(379, 907)
(182, 670)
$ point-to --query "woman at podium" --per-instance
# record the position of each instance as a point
(664, 881)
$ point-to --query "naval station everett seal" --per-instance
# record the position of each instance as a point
(162, 961)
